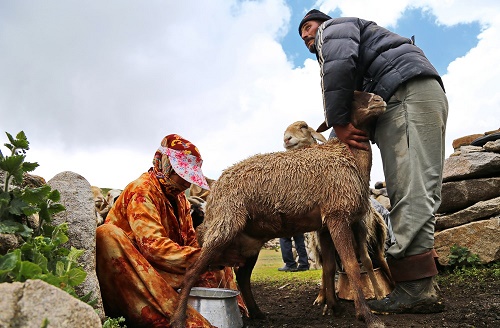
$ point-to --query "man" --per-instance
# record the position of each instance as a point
(287, 253)
(355, 54)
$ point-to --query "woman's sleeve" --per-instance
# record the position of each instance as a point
(152, 237)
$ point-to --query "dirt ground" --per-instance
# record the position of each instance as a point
(471, 304)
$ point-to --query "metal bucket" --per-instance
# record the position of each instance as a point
(218, 305)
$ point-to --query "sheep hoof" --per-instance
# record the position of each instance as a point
(319, 301)
(325, 310)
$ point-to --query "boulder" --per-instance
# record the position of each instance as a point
(481, 238)
(471, 165)
(77, 197)
(465, 140)
(493, 146)
(457, 195)
(481, 210)
(33, 303)
(8, 242)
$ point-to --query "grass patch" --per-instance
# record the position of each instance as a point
(464, 274)
(266, 270)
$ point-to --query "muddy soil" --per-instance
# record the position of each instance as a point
(468, 304)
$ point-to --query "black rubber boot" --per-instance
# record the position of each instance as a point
(415, 296)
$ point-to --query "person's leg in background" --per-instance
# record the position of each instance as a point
(300, 246)
(287, 255)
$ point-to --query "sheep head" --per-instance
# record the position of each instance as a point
(197, 210)
(299, 135)
(366, 107)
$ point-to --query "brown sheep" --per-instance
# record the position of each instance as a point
(198, 191)
(300, 135)
(197, 209)
(100, 203)
(275, 195)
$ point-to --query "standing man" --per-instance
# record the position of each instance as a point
(287, 253)
(356, 54)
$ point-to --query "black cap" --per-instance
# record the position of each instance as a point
(314, 14)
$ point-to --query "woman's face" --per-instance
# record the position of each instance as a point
(180, 181)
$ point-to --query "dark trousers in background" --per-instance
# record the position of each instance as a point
(287, 253)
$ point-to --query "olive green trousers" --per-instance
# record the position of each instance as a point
(411, 139)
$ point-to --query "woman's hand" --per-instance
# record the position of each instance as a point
(229, 258)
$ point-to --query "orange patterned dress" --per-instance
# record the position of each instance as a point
(143, 251)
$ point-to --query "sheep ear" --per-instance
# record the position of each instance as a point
(322, 128)
(318, 136)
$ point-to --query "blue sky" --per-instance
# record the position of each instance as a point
(96, 85)
(441, 44)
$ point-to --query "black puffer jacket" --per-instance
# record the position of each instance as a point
(355, 54)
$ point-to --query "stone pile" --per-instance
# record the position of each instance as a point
(469, 215)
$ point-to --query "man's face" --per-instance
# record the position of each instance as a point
(308, 34)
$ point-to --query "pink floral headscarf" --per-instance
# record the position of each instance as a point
(181, 156)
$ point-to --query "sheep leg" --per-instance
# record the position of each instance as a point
(361, 247)
(191, 277)
(343, 239)
(367, 263)
(327, 289)
(380, 258)
(243, 275)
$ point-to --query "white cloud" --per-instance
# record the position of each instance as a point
(96, 85)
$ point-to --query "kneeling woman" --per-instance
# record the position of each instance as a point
(148, 241)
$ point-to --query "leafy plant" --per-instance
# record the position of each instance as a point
(41, 255)
(114, 323)
(16, 203)
(461, 256)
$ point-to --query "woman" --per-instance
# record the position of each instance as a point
(148, 241)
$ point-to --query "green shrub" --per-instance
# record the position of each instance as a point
(114, 323)
(461, 256)
(41, 254)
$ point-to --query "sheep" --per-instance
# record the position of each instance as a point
(197, 209)
(300, 135)
(112, 196)
(275, 195)
(100, 203)
(198, 191)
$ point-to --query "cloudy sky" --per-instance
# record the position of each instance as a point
(96, 85)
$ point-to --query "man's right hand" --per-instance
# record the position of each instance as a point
(351, 136)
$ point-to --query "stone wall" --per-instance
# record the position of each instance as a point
(469, 215)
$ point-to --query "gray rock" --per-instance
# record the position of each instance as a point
(77, 197)
(29, 304)
(481, 238)
(493, 146)
(480, 210)
(384, 200)
(471, 165)
(458, 195)
(8, 242)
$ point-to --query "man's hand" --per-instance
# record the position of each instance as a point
(351, 136)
